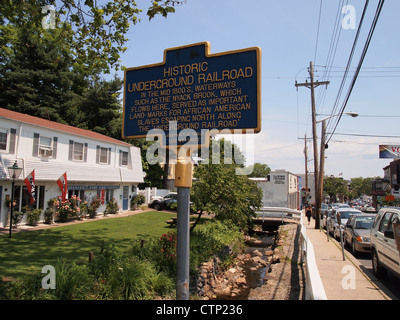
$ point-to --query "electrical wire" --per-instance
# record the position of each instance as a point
(350, 59)
(319, 23)
(366, 46)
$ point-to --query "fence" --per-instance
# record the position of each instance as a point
(314, 289)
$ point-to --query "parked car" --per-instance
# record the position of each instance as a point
(357, 232)
(345, 214)
(384, 251)
(160, 203)
(327, 218)
(368, 209)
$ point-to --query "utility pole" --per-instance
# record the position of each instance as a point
(312, 85)
(322, 162)
(306, 158)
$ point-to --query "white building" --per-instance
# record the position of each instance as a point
(95, 164)
(280, 189)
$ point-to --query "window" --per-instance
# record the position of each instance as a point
(77, 151)
(3, 140)
(103, 155)
(385, 222)
(7, 140)
(123, 158)
(45, 146)
(393, 220)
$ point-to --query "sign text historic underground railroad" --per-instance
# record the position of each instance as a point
(196, 90)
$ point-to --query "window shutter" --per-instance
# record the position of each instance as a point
(109, 155)
(97, 154)
(35, 144)
(12, 140)
(71, 149)
(85, 150)
(55, 141)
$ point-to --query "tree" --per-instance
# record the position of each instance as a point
(94, 32)
(360, 186)
(220, 191)
(56, 73)
(37, 79)
(335, 186)
(259, 170)
(154, 172)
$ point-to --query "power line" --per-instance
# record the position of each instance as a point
(366, 46)
(349, 62)
(319, 23)
(364, 135)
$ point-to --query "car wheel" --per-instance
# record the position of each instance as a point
(353, 248)
(157, 206)
(379, 271)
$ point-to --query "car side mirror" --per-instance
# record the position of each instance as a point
(389, 234)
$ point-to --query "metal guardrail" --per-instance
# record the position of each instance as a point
(314, 289)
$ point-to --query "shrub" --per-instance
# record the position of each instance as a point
(17, 218)
(137, 200)
(111, 207)
(67, 209)
(93, 206)
(48, 215)
(33, 217)
(73, 282)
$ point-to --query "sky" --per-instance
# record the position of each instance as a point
(291, 34)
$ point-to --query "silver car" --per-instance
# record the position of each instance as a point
(345, 214)
(385, 242)
(357, 232)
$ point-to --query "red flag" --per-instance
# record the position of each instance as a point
(30, 184)
(62, 183)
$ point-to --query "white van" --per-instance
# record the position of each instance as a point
(384, 251)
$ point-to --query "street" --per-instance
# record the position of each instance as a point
(390, 285)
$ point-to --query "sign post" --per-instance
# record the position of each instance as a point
(183, 181)
(190, 94)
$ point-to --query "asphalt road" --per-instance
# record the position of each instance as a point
(390, 282)
(389, 285)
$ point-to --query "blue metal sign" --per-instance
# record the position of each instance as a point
(193, 89)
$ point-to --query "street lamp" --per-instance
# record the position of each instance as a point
(320, 184)
(14, 173)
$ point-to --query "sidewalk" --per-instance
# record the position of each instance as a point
(342, 280)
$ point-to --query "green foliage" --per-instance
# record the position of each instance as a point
(33, 216)
(137, 200)
(259, 170)
(111, 207)
(218, 189)
(212, 239)
(67, 209)
(17, 218)
(140, 272)
(93, 32)
(56, 73)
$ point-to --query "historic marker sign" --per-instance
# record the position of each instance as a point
(193, 89)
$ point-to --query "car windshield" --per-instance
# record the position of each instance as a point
(364, 222)
(346, 214)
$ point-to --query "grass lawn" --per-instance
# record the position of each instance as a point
(28, 252)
